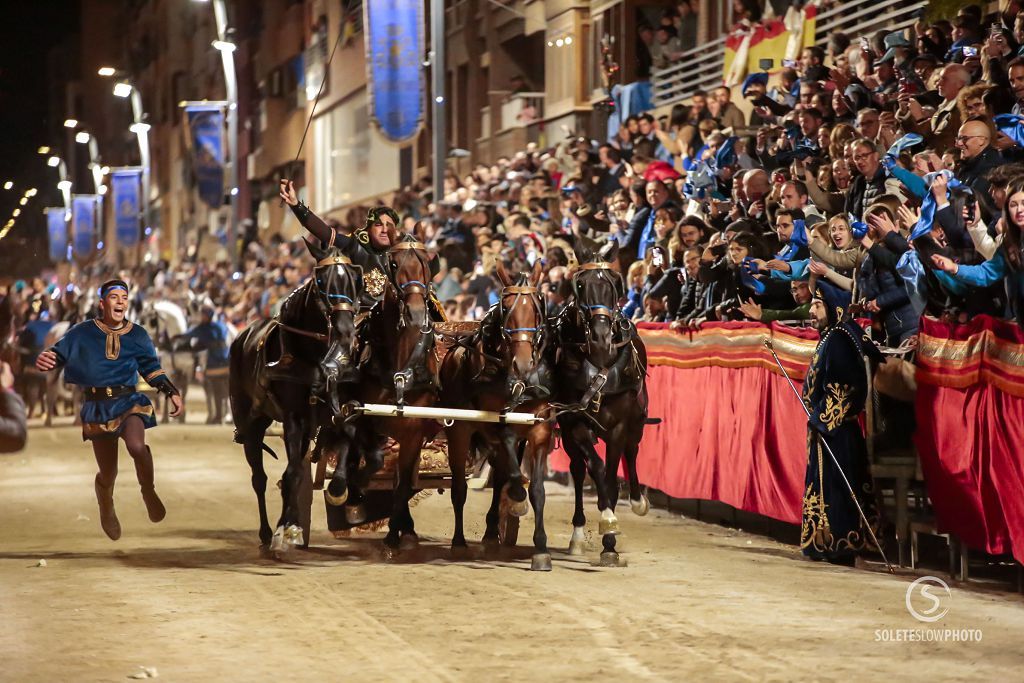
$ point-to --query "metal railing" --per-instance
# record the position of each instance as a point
(701, 67)
(521, 109)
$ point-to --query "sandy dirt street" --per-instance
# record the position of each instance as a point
(191, 598)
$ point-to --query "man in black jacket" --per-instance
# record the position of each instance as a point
(13, 433)
(977, 158)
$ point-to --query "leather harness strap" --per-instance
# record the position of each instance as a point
(401, 246)
(337, 260)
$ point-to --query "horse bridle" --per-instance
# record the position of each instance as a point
(606, 273)
(529, 335)
(404, 377)
(345, 302)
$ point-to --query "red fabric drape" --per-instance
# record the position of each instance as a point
(732, 430)
(970, 431)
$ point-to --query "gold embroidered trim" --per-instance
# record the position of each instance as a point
(113, 347)
(155, 373)
(94, 429)
(837, 405)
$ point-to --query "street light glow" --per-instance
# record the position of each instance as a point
(106, 71)
(105, 170)
(139, 128)
(31, 192)
(82, 137)
(64, 185)
(43, 150)
(103, 189)
(23, 201)
(53, 162)
(223, 46)
(70, 123)
(16, 213)
(8, 185)
(122, 90)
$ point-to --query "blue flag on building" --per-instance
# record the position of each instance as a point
(395, 45)
(126, 189)
(83, 225)
(206, 124)
(57, 229)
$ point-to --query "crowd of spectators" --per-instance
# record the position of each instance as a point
(892, 166)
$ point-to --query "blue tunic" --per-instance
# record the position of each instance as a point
(93, 355)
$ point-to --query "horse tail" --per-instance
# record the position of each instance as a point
(268, 449)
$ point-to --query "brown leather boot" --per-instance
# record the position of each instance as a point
(154, 506)
(108, 518)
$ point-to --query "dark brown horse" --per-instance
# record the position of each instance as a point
(503, 368)
(279, 370)
(401, 369)
(600, 370)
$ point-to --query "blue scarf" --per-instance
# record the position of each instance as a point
(1012, 126)
(747, 270)
(909, 266)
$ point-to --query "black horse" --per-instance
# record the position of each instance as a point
(281, 369)
(600, 370)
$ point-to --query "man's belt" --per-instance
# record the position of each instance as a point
(104, 393)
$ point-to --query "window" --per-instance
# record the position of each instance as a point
(352, 162)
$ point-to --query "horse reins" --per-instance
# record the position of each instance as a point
(346, 304)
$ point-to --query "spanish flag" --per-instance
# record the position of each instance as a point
(775, 39)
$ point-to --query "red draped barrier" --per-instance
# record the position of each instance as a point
(731, 428)
(970, 431)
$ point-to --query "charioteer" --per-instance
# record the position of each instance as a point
(368, 247)
(105, 356)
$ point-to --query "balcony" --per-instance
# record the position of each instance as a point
(521, 109)
(701, 68)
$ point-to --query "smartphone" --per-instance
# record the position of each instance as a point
(972, 209)
(657, 259)
(970, 51)
(996, 29)
(789, 63)
(765, 64)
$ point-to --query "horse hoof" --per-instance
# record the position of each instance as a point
(541, 562)
(460, 551)
(491, 545)
(409, 542)
(611, 560)
(277, 541)
(265, 553)
(355, 514)
(640, 507)
(518, 508)
(293, 535)
(578, 540)
(336, 501)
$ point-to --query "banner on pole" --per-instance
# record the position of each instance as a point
(126, 188)
(206, 127)
(83, 225)
(57, 230)
(395, 45)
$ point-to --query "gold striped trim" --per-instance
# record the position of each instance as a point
(155, 373)
(94, 429)
(113, 346)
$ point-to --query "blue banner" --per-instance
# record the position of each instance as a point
(57, 229)
(126, 188)
(206, 123)
(395, 46)
(83, 225)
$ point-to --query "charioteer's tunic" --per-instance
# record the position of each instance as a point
(835, 391)
(107, 363)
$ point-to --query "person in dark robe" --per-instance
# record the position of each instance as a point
(835, 390)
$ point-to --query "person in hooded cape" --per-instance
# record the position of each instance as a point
(835, 391)
(106, 356)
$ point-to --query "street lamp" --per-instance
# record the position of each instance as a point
(53, 162)
(8, 185)
(82, 138)
(70, 123)
(226, 49)
(124, 88)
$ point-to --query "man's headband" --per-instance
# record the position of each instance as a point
(109, 286)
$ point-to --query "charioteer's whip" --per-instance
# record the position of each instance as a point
(771, 347)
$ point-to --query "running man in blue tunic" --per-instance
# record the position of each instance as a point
(105, 356)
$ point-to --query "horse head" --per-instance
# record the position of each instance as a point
(408, 295)
(336, 284)
(597, 288)
(523, 325)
